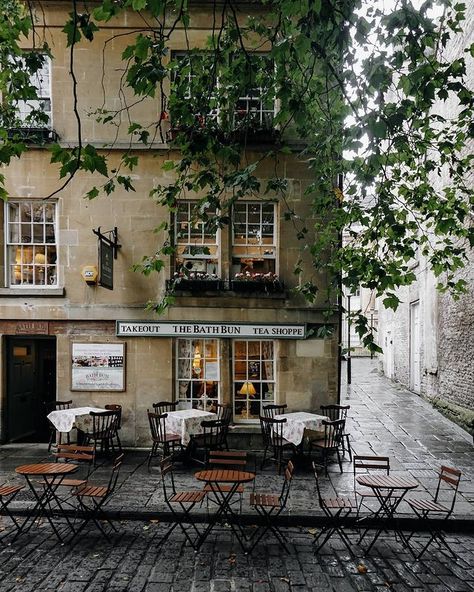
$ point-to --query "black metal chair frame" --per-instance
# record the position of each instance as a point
(160, 438)
(369, 463)
(336, 509)
(7, 495)
(424, 507)
(269, 515)
(80, 456)
(103, 426)
(339, 412)
(331, 443)
(98, 496)
(186, 500)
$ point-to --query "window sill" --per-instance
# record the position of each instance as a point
(36, 292)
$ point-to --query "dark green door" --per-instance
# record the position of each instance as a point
(31, 383)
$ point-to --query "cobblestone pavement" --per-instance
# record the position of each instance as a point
(385, 419)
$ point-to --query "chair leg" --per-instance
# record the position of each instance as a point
(348, 444)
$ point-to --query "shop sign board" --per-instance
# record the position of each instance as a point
(191, 329)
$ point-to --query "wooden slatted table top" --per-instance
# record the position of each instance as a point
(224, 476)
(46, 469)
(387, 482)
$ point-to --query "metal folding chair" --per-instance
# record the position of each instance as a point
(269, 506)
(363, 495)
(83, 456)
(336, 509)
(7, 494)
(428, 508)
(92, 498)
(186, 500)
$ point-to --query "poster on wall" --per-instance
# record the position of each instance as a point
(98, 367)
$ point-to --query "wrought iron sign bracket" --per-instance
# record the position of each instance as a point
(110, 238)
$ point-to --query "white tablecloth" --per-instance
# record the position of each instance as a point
(297, 423)
(187, 423)
(64, 420)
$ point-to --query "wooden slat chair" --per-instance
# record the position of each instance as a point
(54, 434)
(163, 441)
(224, 414)
(273, 441)
(103, 427)
(366, 464)
(269, 506)
(331, 443)
(186, 500)
(428, 508)
(7, 494)
(334, 412)
(211, 439)
(165, 406)
(336, 509)
(92, 497)
(271, 410)
(117, 427)
(81, 455)
(225, 459)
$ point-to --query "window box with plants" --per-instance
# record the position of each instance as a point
(195, 282)
(260, 283)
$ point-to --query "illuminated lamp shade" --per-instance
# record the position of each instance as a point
(40, 259)
(248, 389)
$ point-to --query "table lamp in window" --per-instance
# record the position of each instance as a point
(247, 389)
(197, 361)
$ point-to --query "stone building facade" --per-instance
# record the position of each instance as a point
(428, 342)
(60, 337)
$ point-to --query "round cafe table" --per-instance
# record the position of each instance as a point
(52, 475)
(223, 497)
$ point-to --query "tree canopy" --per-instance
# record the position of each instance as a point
(369, 100)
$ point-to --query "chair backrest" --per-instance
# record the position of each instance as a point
(114, 475)
(166, 469)
(227, 459)
(451, 477)
(316, 478)
(165, 406)
(335, 411)
(118, 410)
(103, 423)
(287, 479)
(271, 410)
(333, 433)
(61, 405)
(365, 464)
(213, 431)
(272, 431)
(224, 413)
(157, 423)
(74, 453)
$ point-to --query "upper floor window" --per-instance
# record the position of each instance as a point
(254, 245)
(36, 113)
(197, 250)
(31, 243)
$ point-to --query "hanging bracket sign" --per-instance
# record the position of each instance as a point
(108, 248)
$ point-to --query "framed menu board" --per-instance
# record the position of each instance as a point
(98, 367)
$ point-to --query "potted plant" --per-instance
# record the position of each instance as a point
(249, 282)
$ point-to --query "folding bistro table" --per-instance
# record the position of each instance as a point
(214, 478)
(389, 491)
(52, 475)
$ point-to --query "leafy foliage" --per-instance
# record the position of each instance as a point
(362, 92)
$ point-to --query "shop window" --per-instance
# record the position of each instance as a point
(31, 243)
(198, 373)
(254, 240)
(253, 378)
(196, 242)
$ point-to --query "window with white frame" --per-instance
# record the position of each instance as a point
(31, 238)
(196, 241)
(253, 378)
(36, 113)
(198, 373)
(254, 245)
(252, 108)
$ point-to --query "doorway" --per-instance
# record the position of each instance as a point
(31, 387)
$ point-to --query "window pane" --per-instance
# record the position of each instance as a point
(198, 373)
